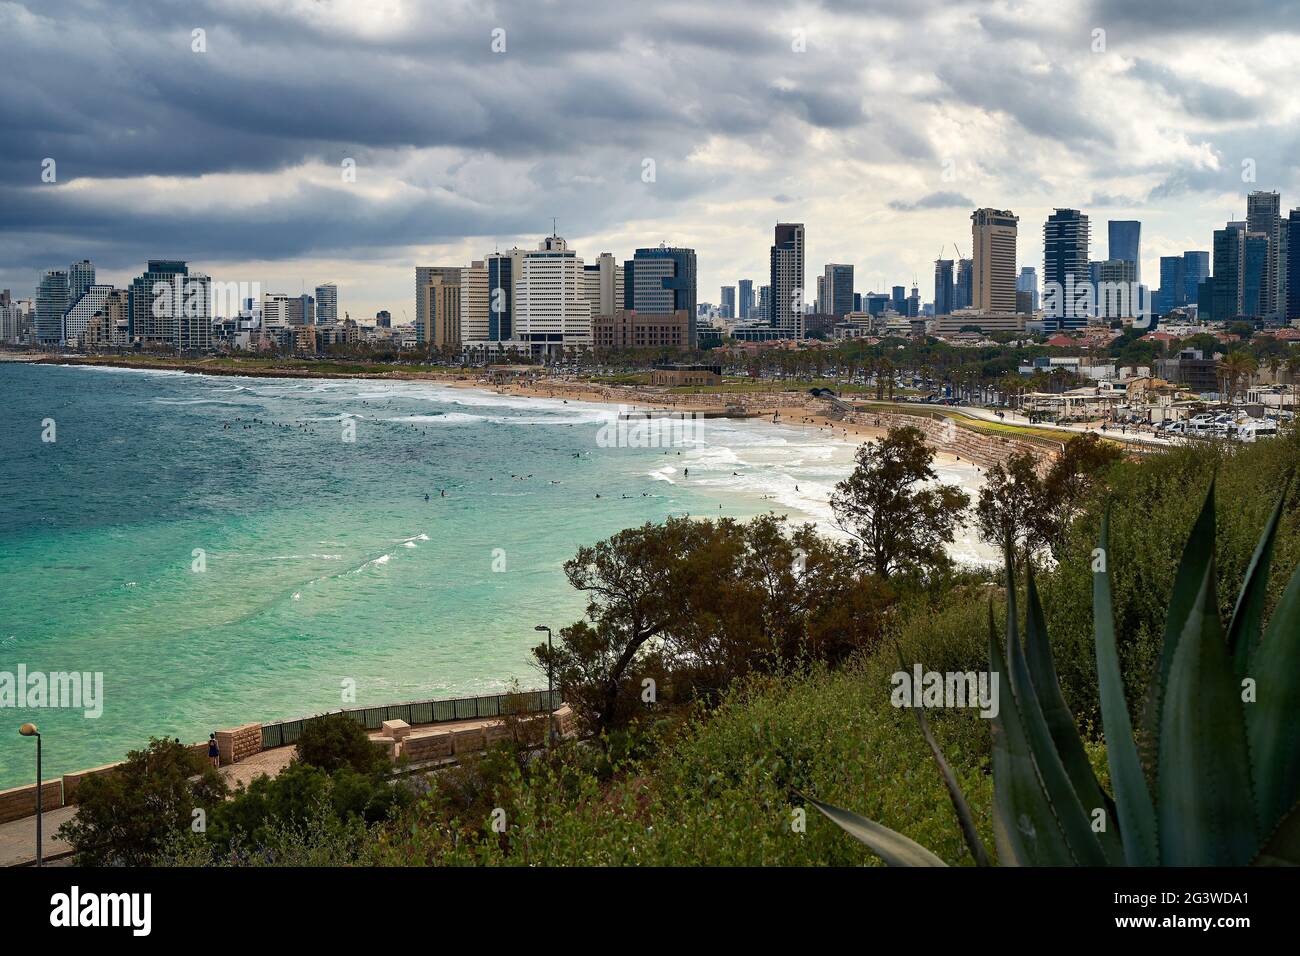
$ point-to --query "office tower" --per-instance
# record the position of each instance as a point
(1028, 282)
(604, 284)
(746, 304)
(501, 293)
(993, 271)
(964, 288)
(424, 317)
(1292, 297)
(728, 309)
(443, 330)
(153, 322)
(81, 276)
(1226, 286)
(301, 310)
(1173, 284)
(552, 312)
(474, 301)
(660, 281)
(51, 303)
(383, 319)
(1255, 289)
(82, 311)
(1196, 269)
(787, 283)
(835, 289)
(912, 304)
(943, 287)
(898, 299)
(327, 304)
(1124, 241)
(277, 310)
(1115, 288)
(764, 307)
(1264, 217)
(1066, 273)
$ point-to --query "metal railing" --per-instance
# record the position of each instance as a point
(283, 732)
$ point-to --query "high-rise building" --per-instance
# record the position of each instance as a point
(1226, 285)
(764, 308)
(301, 310)
(51, 304)
(383, 319)
(728, 307)
(660, 281)
(898, 299)
(552, 311)
(81, 276)
(993, 271)
(1124, 241)
(277, 310)
(604, 284)
(425, 276)
(1172, 293)
(745, 303)
(1028, 282)
(1116, 288)
(444, 331)
(1264, 217)
(1292, 299)
(474, 302)
(155, 320)
(964, 288)
(1196, 269)
(943, 287)
(82, 311)
(789, 294)
(327, 304)
(835, 290)
(501, 271)
(1067, 278)
(1255, 287)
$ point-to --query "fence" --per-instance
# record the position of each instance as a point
(423, 712)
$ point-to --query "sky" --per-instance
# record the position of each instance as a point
(880, 124)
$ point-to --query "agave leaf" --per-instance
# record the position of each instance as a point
(1060, 723)
(1198, 552)
(1075, 825)
(1025, 825)
(964, 816)
(1283, 847)
(891, 846)
(1137, 815)
(1204, 806)
(1272, 721)
(1248, 616)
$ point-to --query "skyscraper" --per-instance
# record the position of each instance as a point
(51, 303)
(1173, 284)
(501, 295)
(1293, 266)
(1225, 284)
(728, 309)
(661, 280)
(1264, 216)
(327, 304)
(153, 313)
(604, 284)
(474, 301)
(1255, 253)
(964, 288)
(1028, 282)
(1124, 241)
(943, 287)
(745, 305)
(787, 269)
(1196, 269)
(1066, 273)
(81, 276)
(425, 308)
(994, 260)
(835, 289)
(552, 311)
(764, 307)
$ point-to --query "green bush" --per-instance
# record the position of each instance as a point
(336, 740)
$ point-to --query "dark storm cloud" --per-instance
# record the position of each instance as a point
(1200, 99)
(1206, 17)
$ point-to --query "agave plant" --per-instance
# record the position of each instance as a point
(1222, 736)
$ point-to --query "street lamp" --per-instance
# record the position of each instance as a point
(550, 686)
(29, 730)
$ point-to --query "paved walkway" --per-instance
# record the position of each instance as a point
(18, 837)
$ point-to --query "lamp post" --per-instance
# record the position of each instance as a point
(550, 685)
(29, 730)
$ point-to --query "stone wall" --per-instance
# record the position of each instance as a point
(19, 802)
(240, 743)
(948, 436)
(71, 781)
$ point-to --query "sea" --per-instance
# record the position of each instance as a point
(220, 550)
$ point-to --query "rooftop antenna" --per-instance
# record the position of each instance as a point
(553, 228)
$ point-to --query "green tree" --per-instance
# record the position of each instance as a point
(1010, 506)
(892, 506)
(333, 741)
(124, 818)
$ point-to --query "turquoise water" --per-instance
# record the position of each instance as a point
(324, 563)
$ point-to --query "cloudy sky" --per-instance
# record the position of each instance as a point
(878, 124)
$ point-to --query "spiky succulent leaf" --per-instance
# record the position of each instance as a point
(1204, 806)
(1273, 720)
(891, 846)
(1137, 815)
(1061, 725)
(1025, 827)
(964, 816)
(1248, 616)
(1073, 817)
(1282, 848)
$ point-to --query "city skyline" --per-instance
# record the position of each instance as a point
(885, 147)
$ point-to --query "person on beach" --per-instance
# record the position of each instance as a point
(214, 754)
